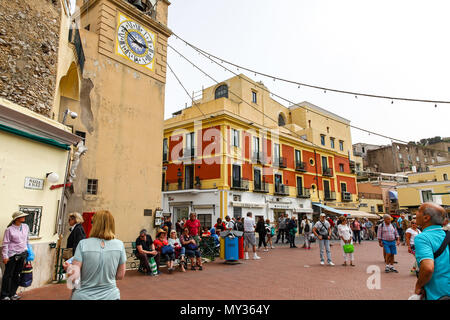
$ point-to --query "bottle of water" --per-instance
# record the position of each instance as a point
(70, 270)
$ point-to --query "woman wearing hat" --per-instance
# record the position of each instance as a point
(161, 245)
(14, 253)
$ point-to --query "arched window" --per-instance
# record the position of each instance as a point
(221, 91)
(281, 120)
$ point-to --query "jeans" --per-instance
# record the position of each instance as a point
(291, 238)
(357, 236)
(400, 234)
(326, 244)
(281, 233)
(11, 277)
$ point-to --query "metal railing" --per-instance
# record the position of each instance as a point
(327, 172)
(303, 192)
(241, 184)
(330, 195)
(346, 196)
(281, 189)
(300, 166)
(261, 187)
(280, 162)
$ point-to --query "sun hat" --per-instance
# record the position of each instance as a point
(323, 215)
(18, 214)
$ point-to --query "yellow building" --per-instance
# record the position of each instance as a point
(236, 149)
(34, 159)
(430, 186)
(120, 104)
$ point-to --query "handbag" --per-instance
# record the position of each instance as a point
(26, 277)
(67, 253)
(167, 249)
(348, 248)
(192, 246)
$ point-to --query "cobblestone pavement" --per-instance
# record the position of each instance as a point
(281, 274)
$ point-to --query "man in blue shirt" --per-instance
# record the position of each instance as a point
(434, 273)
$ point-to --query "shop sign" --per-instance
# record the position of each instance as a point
(280, 206)
(34, 183)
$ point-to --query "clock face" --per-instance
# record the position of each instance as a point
(135, 42)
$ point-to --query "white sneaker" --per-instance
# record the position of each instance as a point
(322, 263)
(246, 256)
(272, 247)
(255, 257)
(265, 250)
(330, 263)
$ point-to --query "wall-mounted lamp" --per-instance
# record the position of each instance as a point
(72, 114)
(52, 177)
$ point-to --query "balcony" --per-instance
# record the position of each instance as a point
(303, 193)
(330, 195)
(328, 172)
(75, 39)
(241, 184)
(259, 157)
(281, 189)
(346, 197)
(261, 187)
(300, 166)
(280, 162)
(183, 185)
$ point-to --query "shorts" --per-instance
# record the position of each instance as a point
(390, 247)
(193, 253)
(249, 239)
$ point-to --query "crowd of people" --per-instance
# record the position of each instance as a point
(100, 260)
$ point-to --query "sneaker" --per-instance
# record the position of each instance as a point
(322, 263)
(330, 263)
(200, 268)
(272, 247)
(246, 256)
(392, 269)
(6, 298)
(255, 257)
(265, 250)
(387, 270)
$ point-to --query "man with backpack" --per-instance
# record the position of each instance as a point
(432, 253)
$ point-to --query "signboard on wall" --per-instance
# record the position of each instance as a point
(34, 183)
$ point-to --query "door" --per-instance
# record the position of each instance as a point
(189, 177)
(324, 164)
(299, 186)
(236, 176)
(278, 182)
(326, 189)
(180, 213)
(257, 179)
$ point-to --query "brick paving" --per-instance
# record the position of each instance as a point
(282, 274)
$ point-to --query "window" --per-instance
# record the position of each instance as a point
(81, 134)
(254, 97)
(417, 159)
(255, 144)
(33, 220)
(235, 137)
(341, 167)
(427, 196)
(400, 156)
(276, 151)
(332, 143)
(257, 178)
(341, 145)
(92, 186)
(379, 207)
(324, 163)
(409, 157)
(237, 212)
(221, 92)
(322, 139)
(165, 149)
(236, 176)
(445, 177)
(372, 209)
(281, 120)
(298, 156)
(189, 177)
(205, 220)
(190, 144)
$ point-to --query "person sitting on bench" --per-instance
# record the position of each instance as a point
(146, 249)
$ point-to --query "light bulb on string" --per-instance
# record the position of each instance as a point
(435, 105)
(392, 102)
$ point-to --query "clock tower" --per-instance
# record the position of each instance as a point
(121, 111)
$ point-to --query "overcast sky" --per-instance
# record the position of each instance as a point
(391, 48)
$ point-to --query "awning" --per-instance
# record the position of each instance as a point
(393, 195)
(327, 208)
(361, 214)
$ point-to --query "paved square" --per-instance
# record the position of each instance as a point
(281, 274)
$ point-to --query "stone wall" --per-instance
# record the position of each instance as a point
(29, 35)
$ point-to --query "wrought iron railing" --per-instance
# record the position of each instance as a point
(261, 187)
(300, 166)
(281, 189)
(241, 184)
(303, 193)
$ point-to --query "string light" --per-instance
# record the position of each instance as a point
(310, 85)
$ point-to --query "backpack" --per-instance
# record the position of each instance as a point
(306, 227)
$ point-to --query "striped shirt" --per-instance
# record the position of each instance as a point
(387, 232)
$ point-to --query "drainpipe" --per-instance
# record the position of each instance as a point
(317, 175)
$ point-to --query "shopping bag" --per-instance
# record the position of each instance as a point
(30, 253)
(153, 265)
(349, 248)
(26, 277)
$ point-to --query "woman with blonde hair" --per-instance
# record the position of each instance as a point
(76, 234)
(99, 261)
